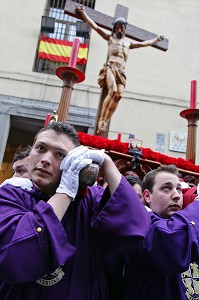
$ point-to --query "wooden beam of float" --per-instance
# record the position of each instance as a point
(192, 116)
(70, 75)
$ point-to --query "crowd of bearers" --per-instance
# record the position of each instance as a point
(52, 238)
(57, 241)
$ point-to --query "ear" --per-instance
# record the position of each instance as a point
(147, 196)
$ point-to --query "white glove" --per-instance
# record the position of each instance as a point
(71, 156)
(23, 183)
(69, 183)
(97, 156)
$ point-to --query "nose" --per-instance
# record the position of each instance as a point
(176, 195)
(46, 159)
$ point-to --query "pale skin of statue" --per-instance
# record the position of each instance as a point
(118, 49)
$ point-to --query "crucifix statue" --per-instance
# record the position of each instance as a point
(112, 77)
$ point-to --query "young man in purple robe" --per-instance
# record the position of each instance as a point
(165, 266)
(20, 162)
(53, 239)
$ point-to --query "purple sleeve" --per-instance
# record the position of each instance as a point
(122, 215)
(172, 244)
(33, 242)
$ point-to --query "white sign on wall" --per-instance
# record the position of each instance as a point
(178, 141)
(160, 142)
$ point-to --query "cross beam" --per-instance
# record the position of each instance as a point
(106, 21)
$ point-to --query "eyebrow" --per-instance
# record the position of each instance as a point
(167, 182)
(170, 183)
(19, 166)
(45, 144)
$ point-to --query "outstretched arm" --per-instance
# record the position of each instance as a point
(146, 43)
(80, 9)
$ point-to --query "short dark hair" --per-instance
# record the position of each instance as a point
(21, 152)
(149, 179)
(133, 179)
(61, 127)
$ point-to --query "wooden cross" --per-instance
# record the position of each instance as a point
(106, 22)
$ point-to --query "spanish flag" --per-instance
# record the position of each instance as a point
(60, 50)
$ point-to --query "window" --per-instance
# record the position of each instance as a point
(57, 34)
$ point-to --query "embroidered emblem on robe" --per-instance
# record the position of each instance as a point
(190, 278)
(51, 279)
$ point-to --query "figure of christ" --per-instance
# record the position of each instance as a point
(113, 75)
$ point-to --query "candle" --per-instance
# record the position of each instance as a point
(47, 120)
(193, 99)
(119, 136)
(74, 53)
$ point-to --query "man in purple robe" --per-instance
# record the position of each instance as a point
(20, 162)
(53, 238)
(165, 266)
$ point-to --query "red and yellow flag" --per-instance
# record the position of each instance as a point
(60, 50)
